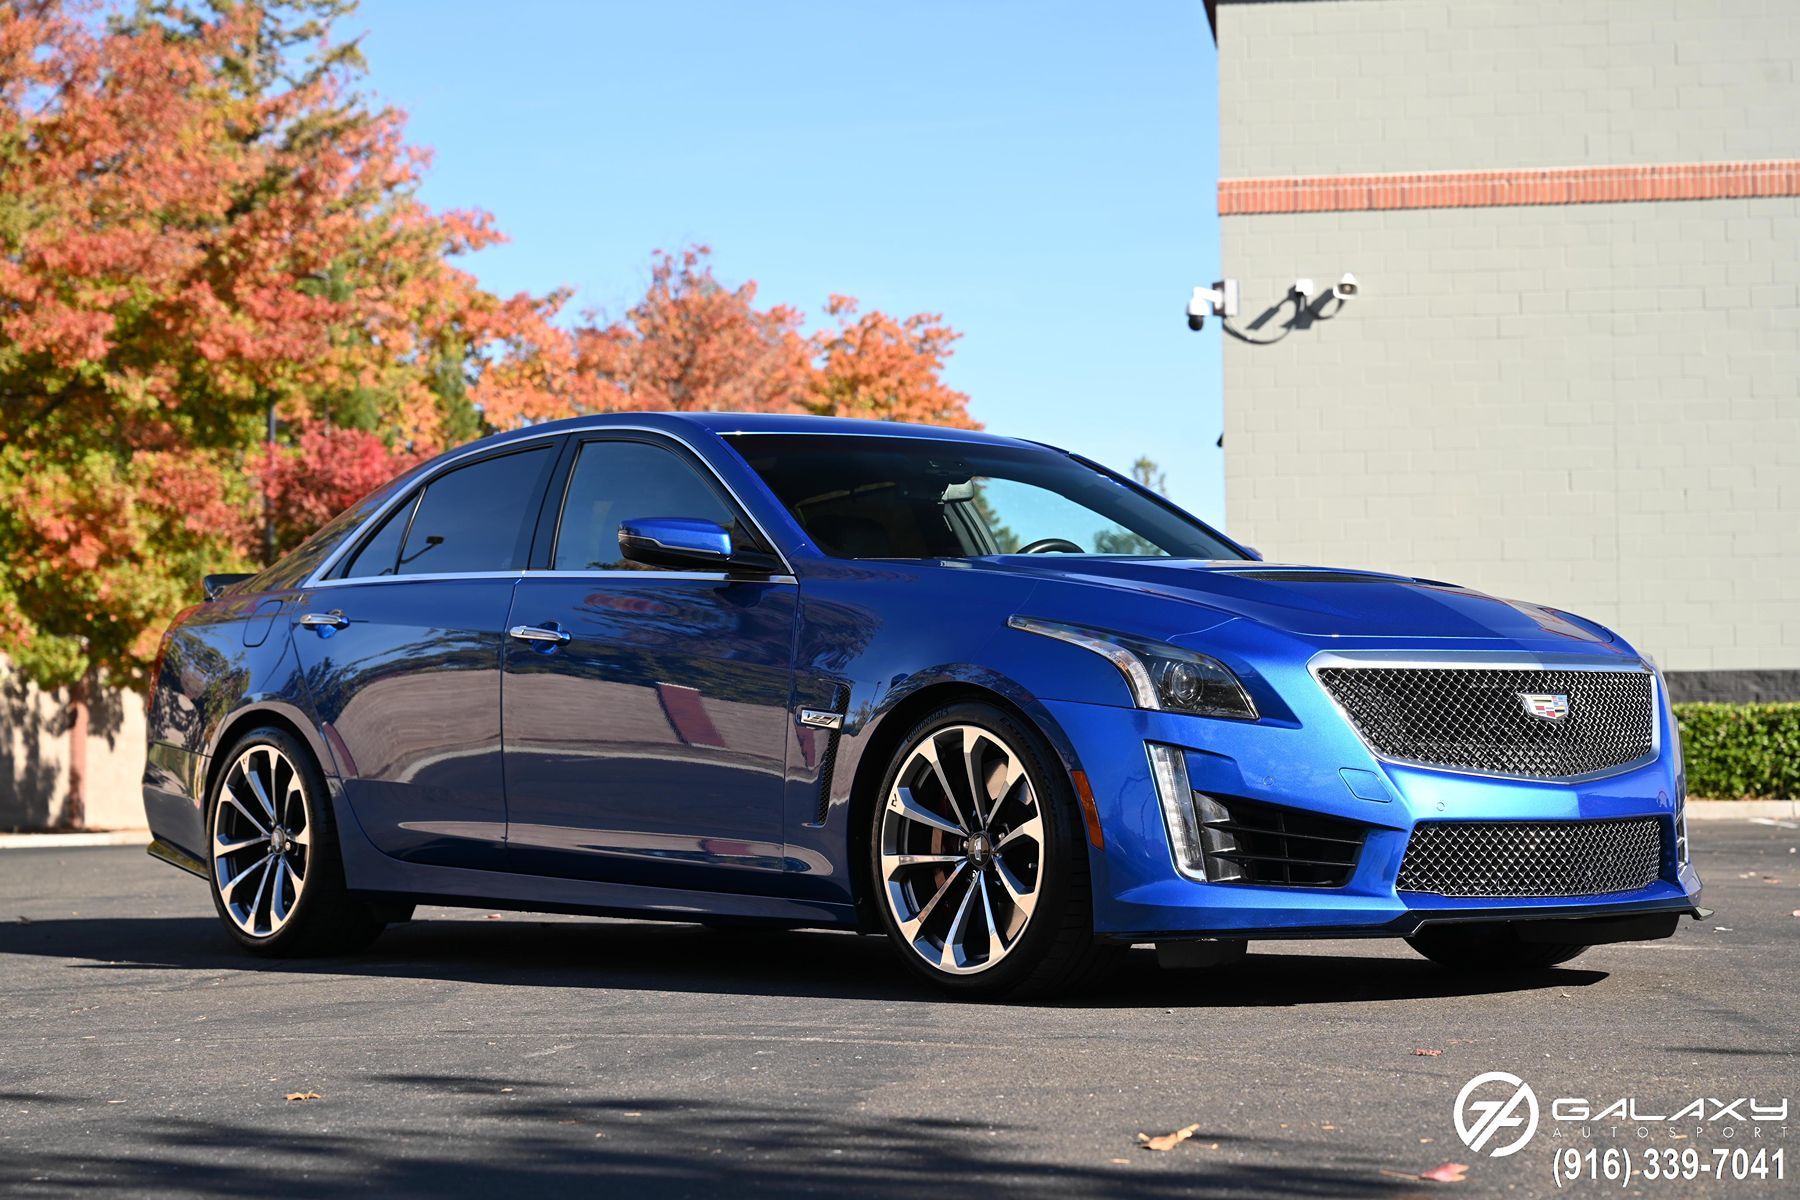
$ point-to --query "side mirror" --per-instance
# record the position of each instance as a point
(675, 542)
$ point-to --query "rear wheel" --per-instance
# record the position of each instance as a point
(1488, 947)
(979, 866)
(277, 880)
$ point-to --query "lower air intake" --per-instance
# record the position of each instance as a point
(1261, 844)
(1532, 858)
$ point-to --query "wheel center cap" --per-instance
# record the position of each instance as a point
(979, 849)
(278, 840)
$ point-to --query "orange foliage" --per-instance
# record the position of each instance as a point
(878, 367)
(201, 222)
(198, 221)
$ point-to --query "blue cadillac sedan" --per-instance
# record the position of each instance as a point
(981, 696)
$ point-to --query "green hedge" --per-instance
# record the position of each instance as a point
(1734, 751)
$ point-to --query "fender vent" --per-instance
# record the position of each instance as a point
(827, 741)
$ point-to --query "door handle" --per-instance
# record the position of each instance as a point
(534, 633)
(328, 620)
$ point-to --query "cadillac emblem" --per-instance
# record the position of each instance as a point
(1545, 706)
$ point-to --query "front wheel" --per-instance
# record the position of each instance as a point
(1488, 947)
(277, 880)
(978, 861)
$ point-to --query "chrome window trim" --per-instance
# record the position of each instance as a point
(435, 577)
(654, 574)
(646, 576)
(1487, 660)
(453, 458)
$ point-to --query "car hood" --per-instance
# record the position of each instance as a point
(1318, 601)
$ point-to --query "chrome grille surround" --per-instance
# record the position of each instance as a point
(1532, 858)
(1469, 716)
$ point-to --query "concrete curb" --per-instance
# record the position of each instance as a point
(53, 841)
(1742, 810)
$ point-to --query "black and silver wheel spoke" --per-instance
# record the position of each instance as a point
(961, 849)
(261, 841)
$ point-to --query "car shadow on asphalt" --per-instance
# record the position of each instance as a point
(652, 956)
(538, 1140)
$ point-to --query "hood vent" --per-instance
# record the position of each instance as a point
(1301, 575)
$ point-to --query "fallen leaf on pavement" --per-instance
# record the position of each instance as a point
(1168, 1141)
(304, 1096)
(1797, 912)
(1448, 1173)
(1428, 1053)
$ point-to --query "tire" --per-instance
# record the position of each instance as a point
(282, 854)
(1488, 947)
(941, 877)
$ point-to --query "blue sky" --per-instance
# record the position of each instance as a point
(1041, 174)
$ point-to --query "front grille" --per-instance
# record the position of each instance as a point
(1478, 719)
(1532, 858)
(1257, 843)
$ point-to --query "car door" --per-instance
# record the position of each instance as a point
(648, 747)
(400, 645)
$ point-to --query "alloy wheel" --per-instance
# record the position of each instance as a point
(261, 841)
(962, 849)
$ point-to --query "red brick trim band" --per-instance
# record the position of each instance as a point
(1506, 188)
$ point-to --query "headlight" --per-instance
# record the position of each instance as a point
(1160, 676)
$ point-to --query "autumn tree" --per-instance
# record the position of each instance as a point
(885, 369)
(1147, 474)
(696, 344)
(692, 344)
(200, 222)
(205, 231)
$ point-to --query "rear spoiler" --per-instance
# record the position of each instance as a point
(214, 585)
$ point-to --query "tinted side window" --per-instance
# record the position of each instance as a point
(477, 518)
(380, 553)
(628, 481)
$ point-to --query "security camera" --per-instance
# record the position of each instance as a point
(1302, 290)
(1346, 287)
(1219, 300)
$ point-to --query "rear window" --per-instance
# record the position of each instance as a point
(474, 518)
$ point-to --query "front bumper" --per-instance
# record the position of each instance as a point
(1139, 895)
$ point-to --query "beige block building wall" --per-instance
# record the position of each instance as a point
(35, 753)
(1594, 405)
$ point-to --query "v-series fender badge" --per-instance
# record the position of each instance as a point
(1574, 1108)
(818, 718)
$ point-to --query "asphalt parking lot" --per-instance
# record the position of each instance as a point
(469, 1054)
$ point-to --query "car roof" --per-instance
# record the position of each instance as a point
(728, 423)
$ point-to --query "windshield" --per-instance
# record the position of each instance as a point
(900, 497)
